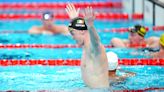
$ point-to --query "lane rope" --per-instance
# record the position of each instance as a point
(53, 46)
(121, 30)
(59, 5)
(101, 16)
(139, 90)
(76, 62)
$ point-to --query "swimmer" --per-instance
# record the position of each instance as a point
(136, 39)
(48, 27)
(160, 54)
(113, 67)
(94, 64)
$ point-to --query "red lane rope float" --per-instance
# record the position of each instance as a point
(76, 62)
(38, 46)
(141, 90)
(155, 28)
(111, 16)
(59, 5)
(137, 16)
(12, 46)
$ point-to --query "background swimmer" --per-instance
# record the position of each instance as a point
(152, 52)
(160, 54)
(113, 67)
(48, 27)
(136, 39)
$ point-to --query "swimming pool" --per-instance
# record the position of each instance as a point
(66, 78)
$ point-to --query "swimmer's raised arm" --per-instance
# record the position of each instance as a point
(89, 16)
(71, 11)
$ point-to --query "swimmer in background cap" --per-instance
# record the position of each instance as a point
(48, 27)
(94, 63)
(136, 39)
(160, 54)
(113, 67)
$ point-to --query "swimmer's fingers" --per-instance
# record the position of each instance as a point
(89, 12)
(93, 14)
(86, 13)
(89, 15)
(71, 11)
(78, 10)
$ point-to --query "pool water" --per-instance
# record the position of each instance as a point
(67, 78)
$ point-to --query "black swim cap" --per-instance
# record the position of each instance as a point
(47, 16)
(141, 30)
(78, 24)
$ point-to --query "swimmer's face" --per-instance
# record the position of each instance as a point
(78, 35)
(47, 22)
(47, 19)
(134, 37)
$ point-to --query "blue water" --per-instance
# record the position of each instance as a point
(69, 78)
(66, 78)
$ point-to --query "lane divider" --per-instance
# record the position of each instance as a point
(59, 5)
(142, 90)
(157, 28)
(122, 30)
(110, 16)
(139, 90)
(154, 28)
(76, 62)
(13, 46)
(52, 46)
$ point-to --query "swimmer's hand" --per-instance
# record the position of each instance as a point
(71, 11)
(127, 73)
(130, 75)
(89, 16)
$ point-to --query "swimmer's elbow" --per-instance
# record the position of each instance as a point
(116, 42)
(33, 30)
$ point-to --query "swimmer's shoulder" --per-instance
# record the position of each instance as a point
(157, 55)
(61, 29)
(125, 41)
(35, 30)
(152, 42)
